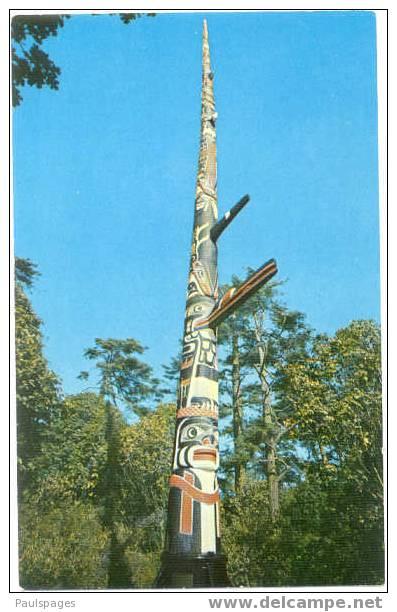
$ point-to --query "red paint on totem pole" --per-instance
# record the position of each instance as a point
(186, 516)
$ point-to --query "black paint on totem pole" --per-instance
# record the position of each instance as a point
(192, 556)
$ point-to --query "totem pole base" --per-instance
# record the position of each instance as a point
(184, 572)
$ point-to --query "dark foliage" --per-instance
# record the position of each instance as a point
(30, 64)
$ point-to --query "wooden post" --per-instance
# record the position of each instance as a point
(192, 556)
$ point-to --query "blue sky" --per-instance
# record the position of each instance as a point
(105, 171)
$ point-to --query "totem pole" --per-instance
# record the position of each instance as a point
(192, 556)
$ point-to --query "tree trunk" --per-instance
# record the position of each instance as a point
(271, 460)
(118, 570)
(239, 467)
(271, 442)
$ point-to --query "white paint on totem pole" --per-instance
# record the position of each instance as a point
(218, 526)
(203, 387)
(200, 385)
(207, 513)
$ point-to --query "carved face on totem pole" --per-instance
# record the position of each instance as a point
(197, 444)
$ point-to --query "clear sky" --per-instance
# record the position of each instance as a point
(105, 171)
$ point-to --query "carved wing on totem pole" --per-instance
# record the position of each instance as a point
(235, 297)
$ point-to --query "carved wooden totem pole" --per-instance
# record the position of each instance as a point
(192, 556)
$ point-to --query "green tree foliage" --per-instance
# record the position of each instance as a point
(252, 539)
(60, 453)
(74, 454)
(260, 340)
(122, 375)
(146, 449)
(233, 381)
(37, 387)
(338, 399)
(30, 64)
(146, 455)
(63, 542)
(325, 536)
(25, 272)
(336, 395)
(128, 17)
(108, 480)
(171, 376)
(330, 525)
(62, 546)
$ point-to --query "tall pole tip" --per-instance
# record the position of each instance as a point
(206, 50)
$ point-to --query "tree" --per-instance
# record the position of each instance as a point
(37, 387)
(330, 525)
(337, 396)
(25, 272)
(145, 451)
(171, 376)
(62, 546)
(112, 484)
(233, 373)
(92, 501)
(253, 540)
(123, 377)
(73, 456)
(60, 454)
(261, 339)
(63, 542)
(30, 64)
(276, 336)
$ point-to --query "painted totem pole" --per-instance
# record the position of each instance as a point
(192, 556)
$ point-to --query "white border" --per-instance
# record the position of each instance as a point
(196, 600)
